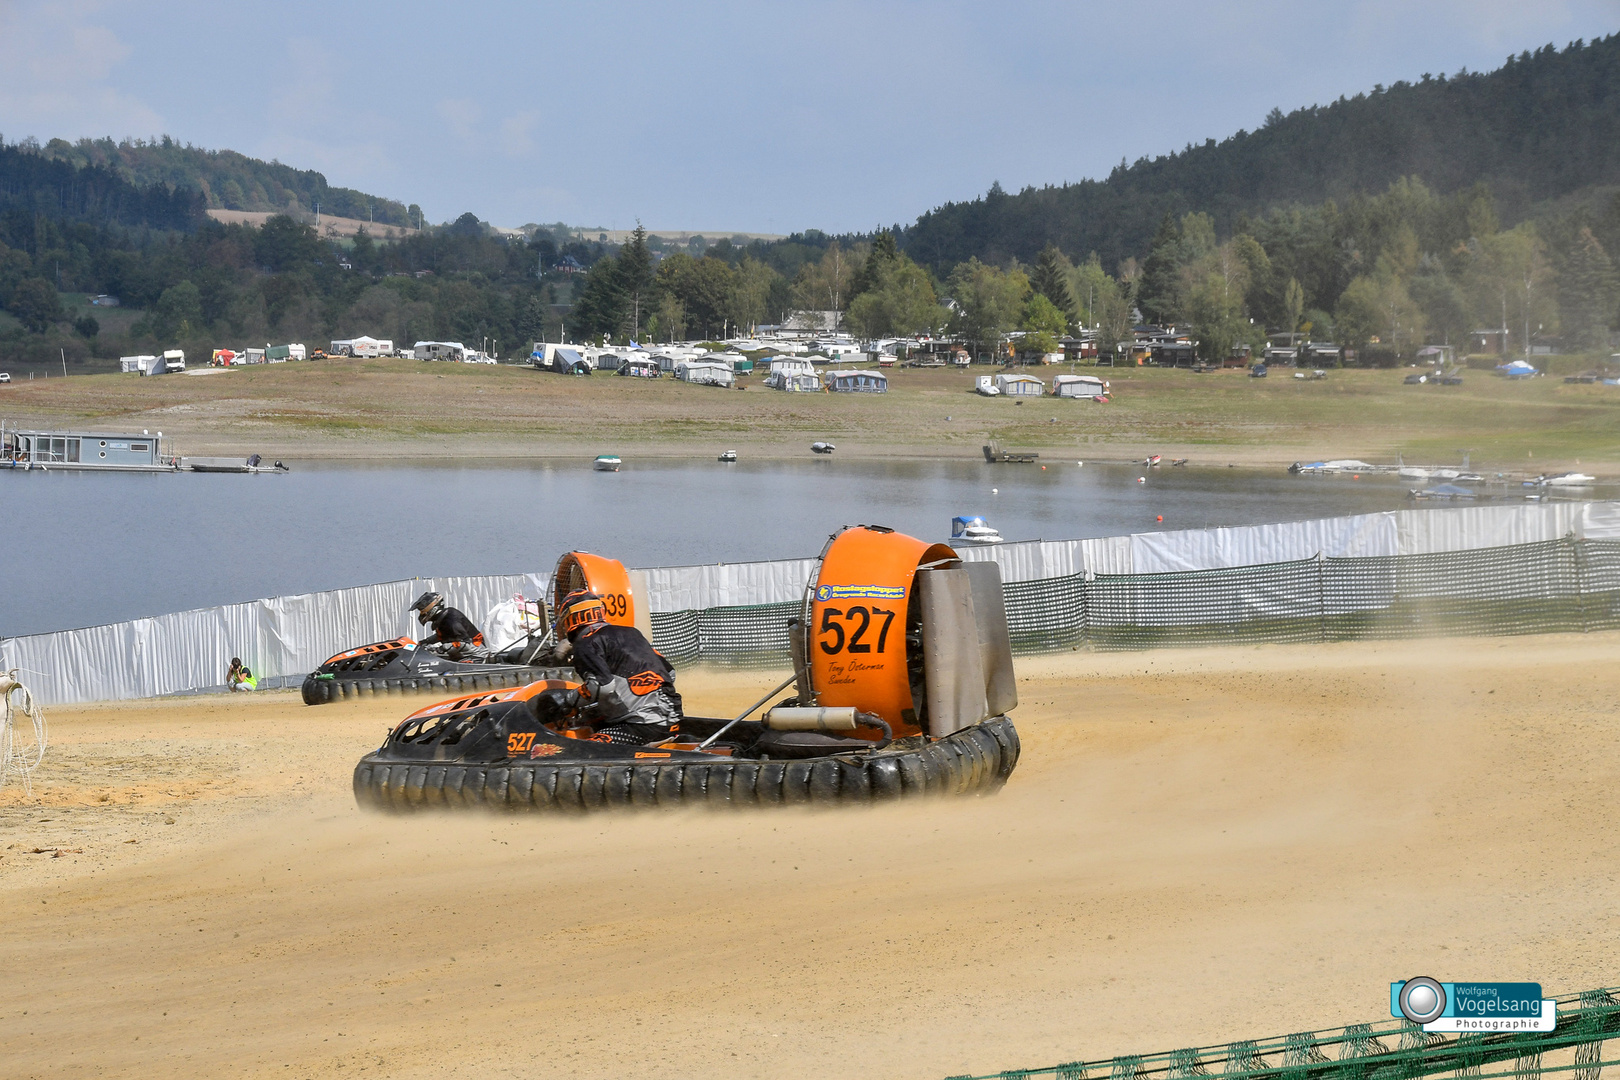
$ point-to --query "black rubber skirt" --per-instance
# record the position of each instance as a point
(974, 761)
(318, 691)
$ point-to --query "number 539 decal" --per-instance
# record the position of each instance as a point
(846, 629)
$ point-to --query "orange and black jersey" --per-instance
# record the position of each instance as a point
(604, 651)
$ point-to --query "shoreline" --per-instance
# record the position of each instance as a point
(407, 411)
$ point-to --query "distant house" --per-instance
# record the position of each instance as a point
(858, 382)
(1317, 353)
(1020, 385)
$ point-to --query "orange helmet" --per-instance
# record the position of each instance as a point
(579, 609)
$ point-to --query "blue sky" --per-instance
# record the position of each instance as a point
(729, 115)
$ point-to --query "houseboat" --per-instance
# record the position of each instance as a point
(93, 450)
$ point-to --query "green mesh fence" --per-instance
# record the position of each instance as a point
(1554, 586)
(1384, 1050)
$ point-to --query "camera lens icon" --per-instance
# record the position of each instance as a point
(1422, 1000)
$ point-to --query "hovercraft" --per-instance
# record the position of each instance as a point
(403, 666)
(904, 675)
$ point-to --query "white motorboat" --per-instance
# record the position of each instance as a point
(607, 463)
(1569, 479)
(973, 530)
(729, 455)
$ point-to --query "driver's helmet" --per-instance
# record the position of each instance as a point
(428, 605)
(580, 608)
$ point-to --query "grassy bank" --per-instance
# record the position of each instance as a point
(382, 408)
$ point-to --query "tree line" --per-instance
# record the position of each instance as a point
(1540, 128)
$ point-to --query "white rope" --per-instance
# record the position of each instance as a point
(20, 757)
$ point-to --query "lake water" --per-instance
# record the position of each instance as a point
(91, 548)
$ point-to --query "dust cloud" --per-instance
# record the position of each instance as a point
(1197, 846)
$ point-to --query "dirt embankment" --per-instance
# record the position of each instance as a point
(1197, 846)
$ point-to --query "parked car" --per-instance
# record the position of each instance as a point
(1258, 371)
(5, 376)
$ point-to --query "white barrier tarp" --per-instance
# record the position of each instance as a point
(1461, 528)
(281, 639)
(1036, 559)
(1600, 521)
(285, 637)
(695, 588)
(1255, 545)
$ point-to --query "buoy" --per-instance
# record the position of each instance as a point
(995, 491)
(1159, 518)
(1043, 467)
(1081, 464)
(1355, 476)
(1141, 479)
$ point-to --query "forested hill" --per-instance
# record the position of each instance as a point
(1542, 126)
(227, 180)
(31, 184)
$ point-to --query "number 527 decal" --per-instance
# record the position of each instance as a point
(847, 629)
(519, 742)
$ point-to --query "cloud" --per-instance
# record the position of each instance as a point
(61, 66)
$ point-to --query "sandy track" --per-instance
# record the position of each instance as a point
(1197, 846)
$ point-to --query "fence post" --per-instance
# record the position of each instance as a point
(1578, 546)
(1321, 598)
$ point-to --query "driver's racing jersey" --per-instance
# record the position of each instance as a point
(604, 652)
(451, 625)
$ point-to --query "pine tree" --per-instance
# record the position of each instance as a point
(1588, 293)
(1157, 290)
(1050, 278)
(636, 282)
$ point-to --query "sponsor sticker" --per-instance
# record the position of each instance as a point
(545, 749)
(851, 592)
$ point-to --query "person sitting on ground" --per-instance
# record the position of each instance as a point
(239, 677)
(630, 682)
(451, 628)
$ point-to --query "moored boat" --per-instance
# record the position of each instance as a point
(607, 463)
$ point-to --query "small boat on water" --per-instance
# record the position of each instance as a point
(822, 448)
(606, 463)
(1446, 492)
(973, 530)
(1569, 479)
(1151, 460)
(729, 455)
(252, 464)
(1340, 465)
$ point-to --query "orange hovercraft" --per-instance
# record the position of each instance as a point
(403, 666)
(903, 673)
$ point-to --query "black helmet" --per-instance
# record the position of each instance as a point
(427, 606)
